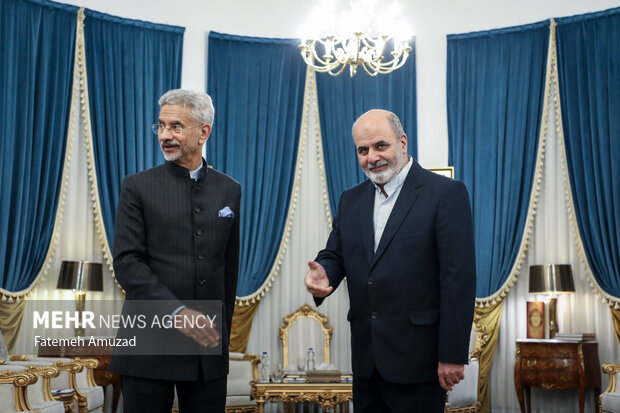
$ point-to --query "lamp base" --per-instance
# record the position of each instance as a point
(80, 305)
(553, 317)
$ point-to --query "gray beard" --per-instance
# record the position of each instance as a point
(172, 157)
(386, 176)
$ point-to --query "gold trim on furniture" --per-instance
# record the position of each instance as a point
(241, 409)
(20, 381)
(46, 373)
(254, 358)
(326, 395)
(612, 370)
(447, 171)
(482, 339)
(305, 311)
(250, 408)
(474, 408)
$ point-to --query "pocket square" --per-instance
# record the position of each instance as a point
(226, 212)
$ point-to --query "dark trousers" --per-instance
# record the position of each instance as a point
(156, 396)
(378, 395)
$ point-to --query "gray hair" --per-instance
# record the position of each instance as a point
(202, 110)
(396, 125)
(393, 120)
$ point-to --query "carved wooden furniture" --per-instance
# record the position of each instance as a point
(463, 398)
(304, 328)
(556, 365)
(13, 383)
(326, 395)
(292, 330)
(243, 369)
(100, 374)
(609, 401)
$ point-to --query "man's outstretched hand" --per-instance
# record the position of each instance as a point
(317, 282)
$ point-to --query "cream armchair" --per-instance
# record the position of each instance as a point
(31, 388)
(13, 383)
(610, 399)
(76, 374)
(464, 396)
(39, 395)
(243, 368)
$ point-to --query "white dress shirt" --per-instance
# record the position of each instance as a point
(194, 174)
(384, 205)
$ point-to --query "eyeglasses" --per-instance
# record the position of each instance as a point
(175, 129)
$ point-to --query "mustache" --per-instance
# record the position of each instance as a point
(169, 142)
(377, 164)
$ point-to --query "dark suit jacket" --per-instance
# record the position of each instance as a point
(170, 244)
(411, 302)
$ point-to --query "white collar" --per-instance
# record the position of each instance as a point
(396, 181)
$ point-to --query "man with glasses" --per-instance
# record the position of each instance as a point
(176, 238)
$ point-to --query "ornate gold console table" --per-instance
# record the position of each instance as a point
(326, 395)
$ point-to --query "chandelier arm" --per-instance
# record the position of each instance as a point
(315, 55)
(338, 72)
(388, 67)
(373, 73)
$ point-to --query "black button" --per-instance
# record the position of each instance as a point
(200, 257)
(374, 315)
(202, 282)
(371, 281)
(199, 232)
(197, 209)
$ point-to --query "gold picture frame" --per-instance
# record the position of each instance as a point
(447, 171)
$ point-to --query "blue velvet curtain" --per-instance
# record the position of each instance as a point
(36, 50)
(589, 75)
(495, 92)
(129, 64)
(257, 87)
(342, 99)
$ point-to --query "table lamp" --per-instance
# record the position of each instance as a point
(80, 276)
(551, 279)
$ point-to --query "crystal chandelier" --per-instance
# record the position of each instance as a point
(357, 37)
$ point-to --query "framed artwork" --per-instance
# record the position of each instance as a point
(447, 171)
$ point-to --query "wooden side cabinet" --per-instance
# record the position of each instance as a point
(556, 365)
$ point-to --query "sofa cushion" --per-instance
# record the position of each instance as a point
(237, 387)
(610, 402)
(94, 396)
(239, 401)
(49, 407)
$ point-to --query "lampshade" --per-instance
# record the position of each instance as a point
(551, 279)
(80, 275)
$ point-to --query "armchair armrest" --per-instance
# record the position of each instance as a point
(612, 370)
(609, 400)
(19, 379)
(79, 377)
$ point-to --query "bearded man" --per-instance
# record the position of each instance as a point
(404, 241)
(176, 241)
